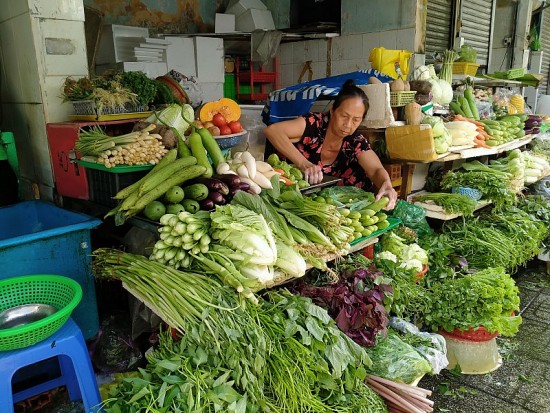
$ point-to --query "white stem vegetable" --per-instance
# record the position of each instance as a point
(223, 168)
(250, 163)
(254, 187)
(261, 180)
(242, 171)
(263, 167)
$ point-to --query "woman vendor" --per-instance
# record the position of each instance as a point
(329, 144)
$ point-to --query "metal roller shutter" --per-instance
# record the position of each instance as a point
(476, 30)
(545, 47)
(438, 27)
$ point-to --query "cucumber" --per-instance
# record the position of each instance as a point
(469, 96)
(199, 152)
(190, 205)
(154, 180)
(380, 204)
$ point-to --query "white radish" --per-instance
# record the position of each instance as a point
(254, 187)
(242, 171)
(261, 180)
(263, 167)
(250, 163)
(237, 156)
(222, 168)
(269, 174)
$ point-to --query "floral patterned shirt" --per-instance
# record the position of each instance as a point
(346, 165)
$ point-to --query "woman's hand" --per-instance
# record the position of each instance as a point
(312, 173)
(387, 190)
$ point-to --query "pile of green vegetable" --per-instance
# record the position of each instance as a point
(450, 202)
(283, 355)
(505, 238)
(486, 298)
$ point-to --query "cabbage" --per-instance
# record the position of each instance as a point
(437, 125)
(386, 255)
(175, 116)
(413, 264)
(415, 252)
(446, 92)
(436, 91)
(441, 145)
(421, 73)
(245, 232)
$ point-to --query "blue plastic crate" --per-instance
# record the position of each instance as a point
(37, 237)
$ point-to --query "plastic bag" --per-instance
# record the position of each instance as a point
(114, 350)
(393, 359)
(190, 86)
(412, 216)
(541, 187)
(435, 352)
(350, 196)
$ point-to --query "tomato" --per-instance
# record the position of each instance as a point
(219, 120)
(225, 130)
(235, 126)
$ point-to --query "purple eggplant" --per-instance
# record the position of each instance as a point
(230, 180)
(207, 204)
(217, 198)
(214, 184)
(243, 186)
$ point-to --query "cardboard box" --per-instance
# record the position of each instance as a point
(238, 7)
(411, 143)
(254, 19)
(379, 114)
(224, 23)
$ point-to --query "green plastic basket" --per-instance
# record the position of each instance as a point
(60, 292)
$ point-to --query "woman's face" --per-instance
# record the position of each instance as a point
(347, 117)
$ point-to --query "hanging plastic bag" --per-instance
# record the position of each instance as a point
(412, 216)
(394, 63)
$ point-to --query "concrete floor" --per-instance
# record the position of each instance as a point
(522, 383)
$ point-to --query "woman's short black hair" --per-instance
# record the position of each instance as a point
(350, 90)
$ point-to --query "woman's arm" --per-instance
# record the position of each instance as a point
(373, 168)
(282, 136)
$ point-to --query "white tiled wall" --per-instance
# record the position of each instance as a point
(349, 53)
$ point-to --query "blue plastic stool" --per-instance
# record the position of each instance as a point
(68, 345)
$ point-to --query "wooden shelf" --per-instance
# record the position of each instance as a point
(476, 152)
(437, 212)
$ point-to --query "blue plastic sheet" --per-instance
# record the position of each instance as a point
(296, 100)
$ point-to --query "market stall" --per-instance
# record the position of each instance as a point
(271, 294)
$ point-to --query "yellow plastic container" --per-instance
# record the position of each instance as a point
(385, 61)
(474, 357)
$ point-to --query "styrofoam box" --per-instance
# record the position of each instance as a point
(211, 90)
(224, 23)
(107, 51)
(209, 53)
(180, 55)
(238, 7)
(254, 19)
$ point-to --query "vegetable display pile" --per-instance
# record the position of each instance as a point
(135, 148)
(284, 354)
(451, 203)
(506, 238)
(355, 301)
(486, 298)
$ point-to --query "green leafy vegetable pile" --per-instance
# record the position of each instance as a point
(487, 298)
(494, 185)
(451, 203)
(506, 238)
(283, 355)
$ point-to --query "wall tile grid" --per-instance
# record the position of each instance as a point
(349, 53)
